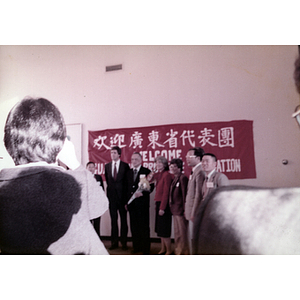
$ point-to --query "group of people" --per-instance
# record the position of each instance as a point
(176, 196)
(51, 204)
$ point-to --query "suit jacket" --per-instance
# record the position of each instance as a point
(163, 183)
(194, 192)
(99, 179)
(116, 190)
(178, 191)
(218, 179)
(133, 185)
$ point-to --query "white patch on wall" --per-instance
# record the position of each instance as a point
(74, 134)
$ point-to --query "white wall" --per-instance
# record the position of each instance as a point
(165, 85)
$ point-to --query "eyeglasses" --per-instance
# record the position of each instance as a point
(296, 114)
(190, 156)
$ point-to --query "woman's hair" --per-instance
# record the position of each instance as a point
(34, 131)
(164, 161)
(178, 162)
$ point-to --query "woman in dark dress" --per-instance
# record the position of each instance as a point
(177, 204)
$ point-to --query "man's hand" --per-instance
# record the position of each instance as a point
(138, 194)
(161, 212)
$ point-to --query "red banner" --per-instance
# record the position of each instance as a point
(231, 142)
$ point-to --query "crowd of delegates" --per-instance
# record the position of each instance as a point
(176, 197)
(50, 204)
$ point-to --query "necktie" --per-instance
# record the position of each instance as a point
(134, 174)
(115, 172)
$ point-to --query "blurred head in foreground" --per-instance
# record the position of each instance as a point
(34, 131)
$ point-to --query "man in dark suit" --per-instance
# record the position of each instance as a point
(115, 175)
(90, 166)
(139, 207)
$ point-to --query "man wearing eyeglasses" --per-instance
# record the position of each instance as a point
(194, 189)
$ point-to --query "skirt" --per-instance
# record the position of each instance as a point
(163, 223)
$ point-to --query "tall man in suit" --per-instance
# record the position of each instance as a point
(115, 175)
(139, 208)
(90, 166)
(194, 189)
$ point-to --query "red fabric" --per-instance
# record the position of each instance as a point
(163, 183)
(232, 143)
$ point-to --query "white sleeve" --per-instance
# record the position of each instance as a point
(97, 200)
(94, 200)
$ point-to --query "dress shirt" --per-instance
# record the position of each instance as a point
(138, 168)
(210, 174)
(137, 172)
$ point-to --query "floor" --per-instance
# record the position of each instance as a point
(155, 247)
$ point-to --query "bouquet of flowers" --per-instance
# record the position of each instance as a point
(143, 185)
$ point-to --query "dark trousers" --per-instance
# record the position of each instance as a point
(139, 226)
(96, 224)
(114, 208)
